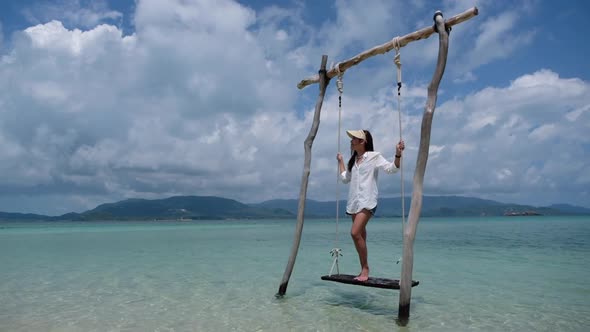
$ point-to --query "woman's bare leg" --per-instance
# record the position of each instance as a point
(358, 233)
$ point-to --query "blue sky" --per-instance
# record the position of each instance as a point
(106, 100)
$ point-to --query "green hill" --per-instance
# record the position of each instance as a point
(432, 206)
(22, 216)
(211, 207)
(181, 207)
(173, 208)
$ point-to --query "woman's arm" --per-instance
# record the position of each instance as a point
(344, 174)
(391, 167)
(388, 166)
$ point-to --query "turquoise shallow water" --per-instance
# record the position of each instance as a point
(484, 274)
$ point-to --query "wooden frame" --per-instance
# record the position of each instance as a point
(323, 78)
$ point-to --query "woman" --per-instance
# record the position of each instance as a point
(362, 172)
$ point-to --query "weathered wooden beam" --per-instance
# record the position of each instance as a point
(416, 205)
(324, 81)
(390, 45)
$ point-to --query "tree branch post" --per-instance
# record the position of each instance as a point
(324, 81)
(416, 205)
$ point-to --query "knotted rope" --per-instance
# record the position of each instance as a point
(398, 64)
(337, 252)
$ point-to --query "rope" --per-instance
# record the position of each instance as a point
(337, 252)
(398, 63)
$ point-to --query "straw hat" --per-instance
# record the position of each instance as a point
(360, 134)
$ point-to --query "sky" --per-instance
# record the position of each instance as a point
(106, 100)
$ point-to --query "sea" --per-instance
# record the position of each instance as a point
(476, 274)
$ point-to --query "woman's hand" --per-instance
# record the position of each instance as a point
(399, 148)
(339, 157)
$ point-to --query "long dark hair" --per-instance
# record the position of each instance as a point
(368, 147)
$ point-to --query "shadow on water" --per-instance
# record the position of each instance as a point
(375, 302)
(379, 303)
(370, 302)
(366, 302)
(297, 292)
(384, 305)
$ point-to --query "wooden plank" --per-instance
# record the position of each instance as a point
(372, 282)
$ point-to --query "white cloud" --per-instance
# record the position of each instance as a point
(110, 112)
(201, 100)
(523, 136)
(281, 35)
(84, 14)
(466, 77)
(489, 37)
(577, 113)
(477, 122)
(48, 92)
(54, 37)
(463, 148)
(544, 132)
(502, 174)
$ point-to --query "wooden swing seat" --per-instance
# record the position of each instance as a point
(372, 282)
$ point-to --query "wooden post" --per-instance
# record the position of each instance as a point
(324, 81)
(416, 206)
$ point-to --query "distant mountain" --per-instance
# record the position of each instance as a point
(182, 207)
(432, 206)
(173, 208)
(22, 216)
(211, 207)
(570, 208)
(312, 208)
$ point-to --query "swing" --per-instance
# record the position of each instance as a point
(337, 252)
(371, 282)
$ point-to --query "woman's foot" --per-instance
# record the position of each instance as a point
(364, 276)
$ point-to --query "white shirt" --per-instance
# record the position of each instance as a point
(363, 191)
